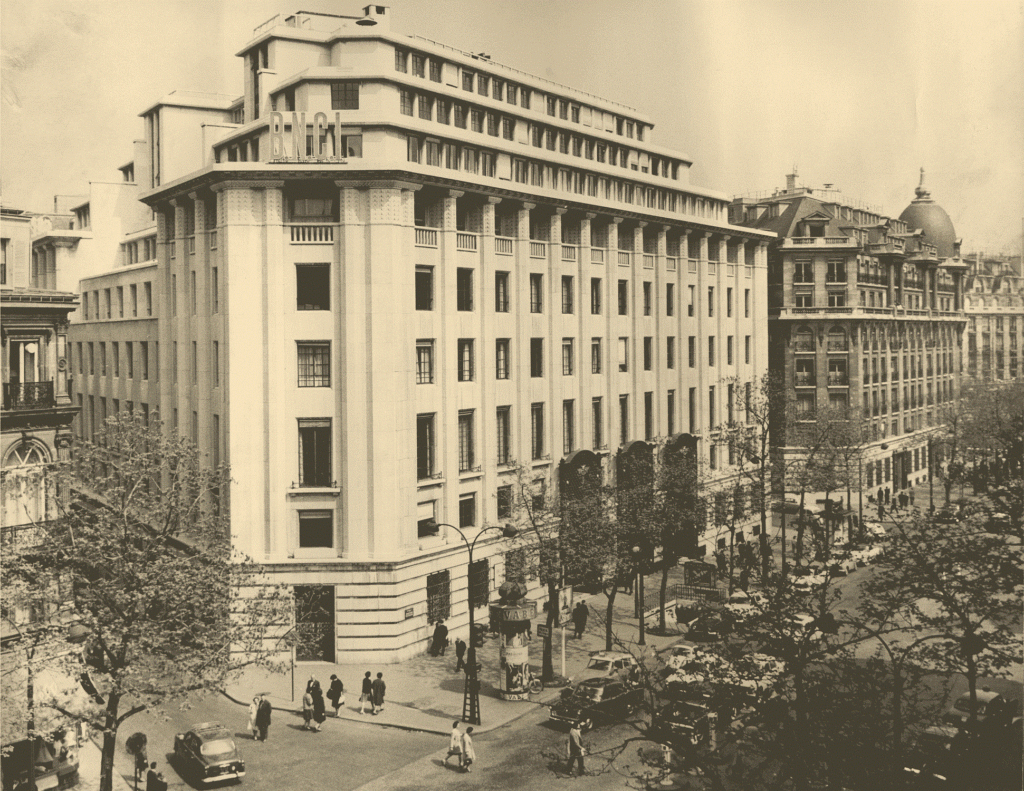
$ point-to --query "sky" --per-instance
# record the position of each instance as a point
(861, 94)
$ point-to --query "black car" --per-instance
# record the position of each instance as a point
(597, 700)
(932, 759)
(208, 752)
(709, 628)
(993, 710)
(685, 720)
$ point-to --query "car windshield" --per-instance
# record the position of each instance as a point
(588, 693)
(218, 748)
(599, 664)
(964, 704)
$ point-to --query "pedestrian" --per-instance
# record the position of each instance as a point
(307, 709)
(460, 654)
(580, 614)
(911, 498)
(310, 683)
(881, 510)
(319, 707)
(440, 641)
(263, 713)
(151, 777)
(253, 708)
(366, 695)
(575, 747)
(454, 744)
(468, 753)
(336, 694)
(378, 688)
(904, 499)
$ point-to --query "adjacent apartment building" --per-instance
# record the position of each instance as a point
(865, 319)
(390, 274)
(994, 308)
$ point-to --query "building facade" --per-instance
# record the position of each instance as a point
(994, 308)
(865, 318)
(398, 275)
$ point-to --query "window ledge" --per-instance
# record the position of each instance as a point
(298, 491)
(426, 483)
(470, 475)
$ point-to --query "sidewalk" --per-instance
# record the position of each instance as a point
(425, 693)
(89, 769)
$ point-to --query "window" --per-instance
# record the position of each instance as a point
(425, 287)
(466, 359)
(467, 455)
(692, 408)
(728, 350)
(595, 355)
(504, 427)
(746, 349)
(144, 361)
(401, 61)
(595, 296)
(837, 299)
(746, 303)
(836, 272)
(435, 70)
(129, 361)
(623, 354)
(623, 419)
(670, 409)
(804, 300)
(405, 102)
(120, 297)
(647, 297)
(505, 502)
(670, 299)
(648, 353)
(345, 95)
(693, 296)
(536, 357)
(425, 446)
(464, 289)
(216, 364)
(670, 352)
(316, 529)
(713, 457)
(692, 351)
(501, 292)
(623, 297)
(567, 294)
(804, 405)
(501, 358)
(712, 414)
(568, 357)
(803, 272)
(419, 65)
(730, 400)
(313, 286)
(439, 596)
(648, 416)
(711, 350)
(425, 107)
(598, 419)
(103, 358)
(711, 301)
(728, 302)
(315, 452)
(568, 426)
(467, 510)
(148, 289)
(537, 430)
(115, 356)
(536, 292)
(425, 361)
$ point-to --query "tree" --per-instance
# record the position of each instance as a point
(949, 445)
(143, 553)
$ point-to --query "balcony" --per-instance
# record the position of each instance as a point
(805, 379)
(838, 380)
(597, 255)
(503, 245)
(312, 234)
(648, 261)
(28, 395)
(819, 241)
(465, 241)
(426, 237)
(568, 252)
(538, 249)
(625, 258)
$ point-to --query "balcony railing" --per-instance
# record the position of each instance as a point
(313, 234)
(648, 261)
(672, 263)
(503, 245)
(819, 240)
(597, 255)
(538, 249)
(838, 380)
(465, 241)
(568, 252)
(804, 379)
(426, 237)
(691, 266)
(28, 395)
(625, 258)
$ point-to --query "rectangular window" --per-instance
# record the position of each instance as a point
(115, 356)
(419, 63)
(597, 417)
(467, 514)
(401, 61)
(504, 427)
(129, 360)
(647, 297)
(595, 355)
(120, 299)
(623, 297)
(425, 288)
(425, 361)
(501, 292)
(712, 412)
(692, 409)
(595, 296)
(623, 354)
(195, 362)
(315, 452)
(728, 302)
(648, 353)
(568, 303)
(728, 350)
(711, 350)
(501, 358)
(345, 95)
(711, 301)
(505, 502)
(623, 419)
(670, 299)
(148, 289)
(313, 286)
(466, 359)
(536, 292)
(746, 349)
(837, 299)
(692, 350)
(103, 358)
(670, 352)
(804, 300)
(467, 451)
(670, 411)
(746, 303)
(693, 296)
(536, 357)
(316, 529)
(464, 289)
(405, 102)
(144, 358)
(537, 430)
(216, 364)
(803, 272)
(425, 446)
(713, 457)
(730, 397)
(439, 596)
(648, 416)
(836, 272)
(568, 357)
(568, 426)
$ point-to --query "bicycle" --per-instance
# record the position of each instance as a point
(533, 684)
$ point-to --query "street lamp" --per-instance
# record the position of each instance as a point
(471, 696)
(640, 593)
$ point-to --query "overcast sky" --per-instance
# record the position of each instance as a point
(859, 94)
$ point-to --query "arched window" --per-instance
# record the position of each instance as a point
(24, 483)
(804, 339)
(837, 340)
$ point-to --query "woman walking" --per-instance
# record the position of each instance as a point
(336, 694)
(307, 709)
(455, 745)
(468, 753)
(319, 707)
(254, 707)
(366, 696)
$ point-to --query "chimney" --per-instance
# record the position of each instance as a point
(375, 16)
(791, 181)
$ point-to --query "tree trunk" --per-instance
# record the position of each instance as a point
(732, 544)
(608, 613)
(663, 594)
(109, 742)
(800, 528)
(897, 725)
(547, 672)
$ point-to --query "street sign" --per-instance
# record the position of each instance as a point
(542, 630)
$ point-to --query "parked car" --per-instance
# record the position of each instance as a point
(208, 753)
(596, 701)
(843, 563)
(874, 530)
(685, 720)
(611, 664)
(931, 760)
(808, 578)
(681, 653)
(743, 604)
(992, 709)
(710, 627)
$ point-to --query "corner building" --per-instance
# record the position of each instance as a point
(398, 272)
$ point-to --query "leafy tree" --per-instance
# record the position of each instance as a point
(143, 554)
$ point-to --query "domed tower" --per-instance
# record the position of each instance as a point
(926, 215)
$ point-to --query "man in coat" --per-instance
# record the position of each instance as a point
(460, 654)
(378, 688)
(263, 717)
(576, 747)
(440, 641)
(580, 614)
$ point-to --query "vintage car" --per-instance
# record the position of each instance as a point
(685, 720)
(992, 709)
(931, 760)
(611, 664)
(208, 753)
(595, 701)
(710, 627)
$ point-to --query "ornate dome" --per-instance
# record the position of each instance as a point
(925, 214)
